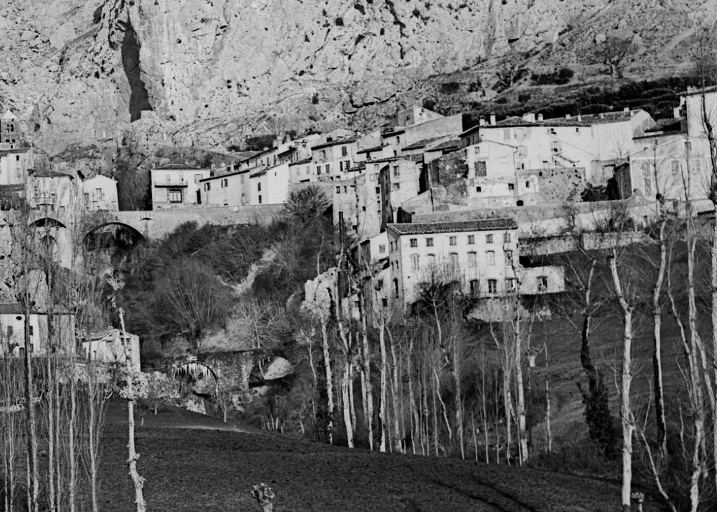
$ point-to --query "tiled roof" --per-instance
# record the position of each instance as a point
(287, 151)
(178, 167)
(301, 162)
(49, 174)
(449, 144)
(334, 143)
(420, 144)
(450, 227)
(371, 149)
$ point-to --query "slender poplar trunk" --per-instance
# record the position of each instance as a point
(329, 382)
(384, 392)
(625, 406)
(657, 348)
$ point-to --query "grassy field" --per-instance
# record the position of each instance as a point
(195, 463)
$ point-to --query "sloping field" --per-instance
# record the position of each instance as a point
(194, 463)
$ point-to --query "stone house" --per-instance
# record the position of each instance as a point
(12, 331)
(333, 159)
(480, 256)
(10, 132)
(14, 165)
(230, 189)
(177, 186)
(107, 347)
(269, 185)
(99, 193)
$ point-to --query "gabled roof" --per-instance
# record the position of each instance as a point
(371, 149)
(301, 162)
(330, 143)
(9, 115)
(179, 167)
(420, 144)
(451, 227)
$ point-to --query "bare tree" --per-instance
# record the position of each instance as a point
(613, 51)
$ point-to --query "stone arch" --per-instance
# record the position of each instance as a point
(97, 227)
(47, 222)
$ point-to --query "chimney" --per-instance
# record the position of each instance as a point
(492, 119)
(529, 116)
(540, 117)
(481, 121)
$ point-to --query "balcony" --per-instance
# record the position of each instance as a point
(171, 183)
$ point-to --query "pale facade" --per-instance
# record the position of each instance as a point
(177, 186)
(107, 347)
(269, 185)
(14, 164)
(230, 189)
(12, 331)
(99, 193)
(481, 256)
(333, 159)
(51, 191)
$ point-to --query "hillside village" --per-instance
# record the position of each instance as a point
(426, 199)
(399, 190)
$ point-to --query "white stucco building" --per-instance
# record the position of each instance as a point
(107, 347)
(177, 186)
(99, 193)
(12, 331)
(481, 256)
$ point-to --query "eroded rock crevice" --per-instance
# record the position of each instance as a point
(139, 97)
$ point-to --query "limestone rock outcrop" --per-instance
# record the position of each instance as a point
(211, 71)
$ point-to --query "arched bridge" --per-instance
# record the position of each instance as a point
(156, 224)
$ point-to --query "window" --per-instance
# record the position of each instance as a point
(396, 171)
(471, 239)
(346, 189)
(414, 242)
(338, 190)
(225, 183)
(414, 262)
(527, 184)
(490, 257)
(258, 187)
(318, 170)
(675, 168)
(429, 242)
(9, 331)
(99, 194)
(174, 195)
(344, 151)
(341, 167)
(452, 240)
(509, 256)
(472, 261)
(378, 190)
(327, 168)
(32, 331)
(475, 287)
(555, 146)
(381, 248)
(506, 238)
(489, 239)
(197, 177)
(480, 168)
(510, 284)
(542, 283)
(511, 186)
(395, 287)
(431, 260)
(479, 189)
(454, 261)
(17, 158)
(260, 199)
(347, 164)
(492, 286)
(206, 186)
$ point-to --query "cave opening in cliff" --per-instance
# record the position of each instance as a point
(138, 96)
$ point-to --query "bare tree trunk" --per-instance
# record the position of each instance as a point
(384, 392)
(132, 455)
(657, 348)
(367, 388)
(72, 455)
(31, 428)
(415, 417)
(458, 404)
(348, 423)
(625, 406)
(329, 382)
(520, 398)
(475, 438)
(435, 419)
(548, 431)
(443, 406)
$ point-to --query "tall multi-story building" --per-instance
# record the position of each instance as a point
(480, 256)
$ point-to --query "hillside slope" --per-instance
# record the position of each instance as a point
(81, 70)
(194, 463)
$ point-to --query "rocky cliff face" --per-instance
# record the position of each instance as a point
(213, 70)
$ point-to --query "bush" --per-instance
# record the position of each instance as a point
(556, 77)
(450, 87)
(259, 142)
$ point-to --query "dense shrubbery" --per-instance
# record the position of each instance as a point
(556, 77)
